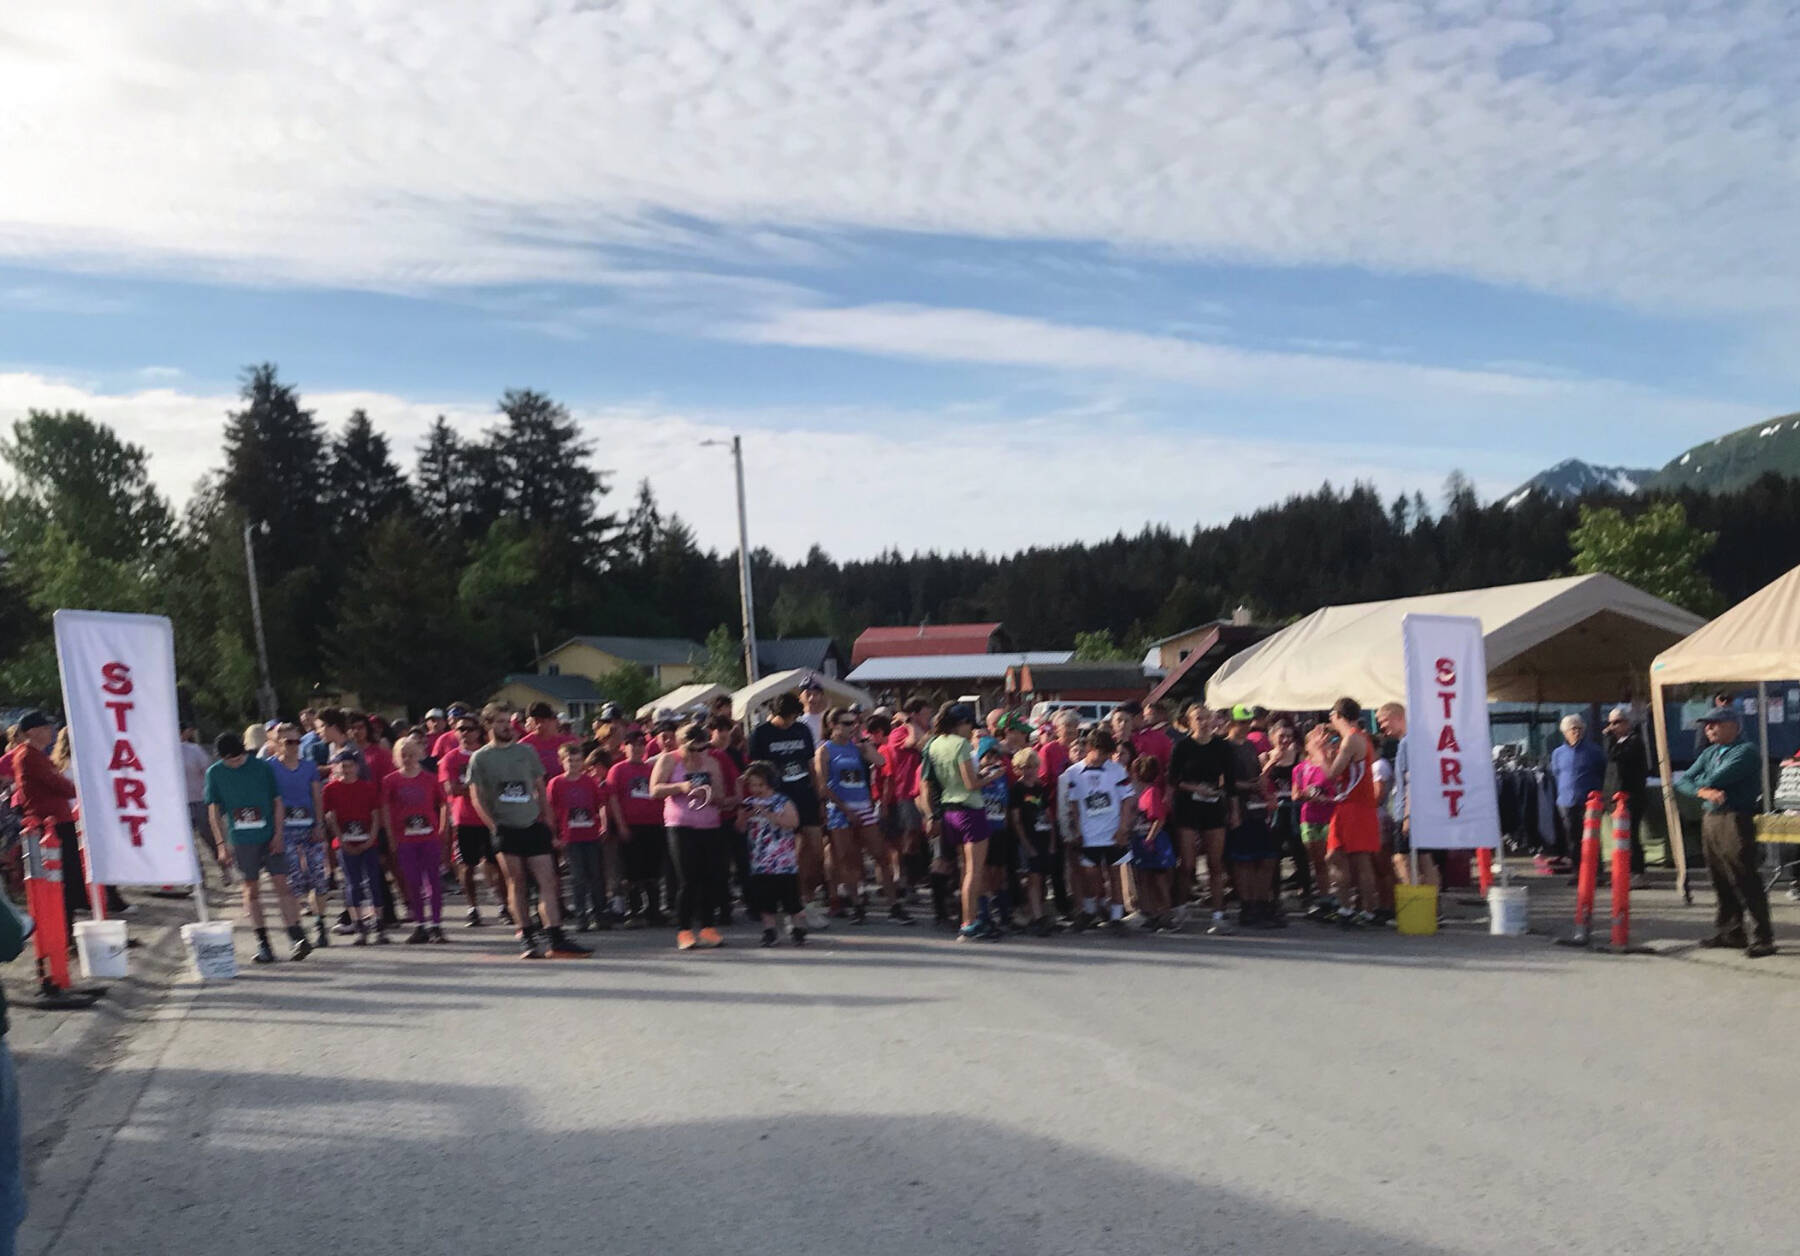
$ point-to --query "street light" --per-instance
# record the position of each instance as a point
(265, 690)
(746, 595)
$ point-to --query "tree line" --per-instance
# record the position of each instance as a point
(409, 588)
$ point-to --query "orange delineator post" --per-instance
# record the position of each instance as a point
(1484, 868)
(44, 899)
(1588, 880)
(1621, 873)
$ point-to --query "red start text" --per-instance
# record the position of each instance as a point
(1450, 763)
(125, 770)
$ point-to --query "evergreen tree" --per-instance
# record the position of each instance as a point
(381, 646)
(440, 486)
(546, 469)
(275, 470)
(362, 484)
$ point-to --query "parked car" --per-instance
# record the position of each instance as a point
(1088, 712)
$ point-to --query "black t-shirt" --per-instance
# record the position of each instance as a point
(1199, 763)
(791, 751)
(1032, 802)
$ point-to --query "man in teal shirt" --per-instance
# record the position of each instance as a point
(1726, 778)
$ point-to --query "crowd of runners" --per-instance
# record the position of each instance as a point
(817, 815)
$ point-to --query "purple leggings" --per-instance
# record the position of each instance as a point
(422, 877)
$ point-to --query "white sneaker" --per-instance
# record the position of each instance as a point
(1219, 924)
(1138, 920)
(816, 919)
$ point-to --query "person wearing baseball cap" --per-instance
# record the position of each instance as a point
(248, 816)
(812, 704)
(1726, 778)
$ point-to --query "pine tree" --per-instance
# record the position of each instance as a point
(275, 468)
(439, 486)
(362, 484)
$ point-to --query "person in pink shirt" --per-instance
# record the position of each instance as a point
(1153, 741)
(577, 810)
(450, 739)
(414, 805)
(1314, 791)
(547, 738)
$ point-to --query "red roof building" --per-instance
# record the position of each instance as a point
(922, 639)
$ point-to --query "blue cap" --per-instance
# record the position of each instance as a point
(1719, 715)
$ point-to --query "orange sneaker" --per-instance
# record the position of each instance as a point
(710, 937)
(684, 941)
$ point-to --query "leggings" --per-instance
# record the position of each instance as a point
(362, 877)
(306, 863)
(585, 880)
(700, 857)
(422, 874)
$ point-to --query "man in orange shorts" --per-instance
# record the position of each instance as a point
(1354, 840)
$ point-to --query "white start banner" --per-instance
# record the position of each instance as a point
(1449, 755)
(118, 684)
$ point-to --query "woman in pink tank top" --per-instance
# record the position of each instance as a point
(692, 784)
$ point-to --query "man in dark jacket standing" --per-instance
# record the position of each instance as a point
(1726, 778)
(1627, 770)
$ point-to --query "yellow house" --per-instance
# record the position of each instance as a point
(575, 696)
(669, 660)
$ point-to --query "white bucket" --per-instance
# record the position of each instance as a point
(210, 949)
(101, 945)
(1509, 910)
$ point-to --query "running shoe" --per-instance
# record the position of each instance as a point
(531, 946)
(474, 919)
(1793, 891)
(1219, 926)
(859, 915)
(265, 954)
(1137, 920)
(1081, 921)
(898, 915)
(1167, 925)
(561, 945)
(584, 923)
(1382, 917)
(815, 918)
(769, 937)
(685, 940)
(343, 928)
(1323, 910)
(634, 921)
(324, 937)
(990, 932)
(1725, 941)
(710, 938)
(418, 936)
(1759, 950)
(797, 935)
(381, 937)
(1364, 920)
(301, 949)
(506, 917)
(1042, 927)
(969, 933)
(362, 938)
(437, 934)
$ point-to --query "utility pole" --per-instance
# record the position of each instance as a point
(746, 594)
(265, 689)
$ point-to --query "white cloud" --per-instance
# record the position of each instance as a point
(1634, 149)
(855, 481)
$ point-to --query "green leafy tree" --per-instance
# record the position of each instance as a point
(724, 663)
(630, 686)
(70, 472)
(1099, 647)
(1659, 551)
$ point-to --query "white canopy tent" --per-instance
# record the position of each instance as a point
(1754, 642)
(759, 693)
(683, 698)
(1572, 639)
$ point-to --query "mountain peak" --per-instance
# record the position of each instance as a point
(1572, 478)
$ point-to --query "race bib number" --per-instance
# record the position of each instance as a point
(356, 831)
(581, 818)
(852, 778)
(247, 818)
(299, 817)
(1043, 822)
(794, 772)
(464, 778)
(701, 780)
(640, 788)
(416, 826)
(1097, 804)
(514, 791)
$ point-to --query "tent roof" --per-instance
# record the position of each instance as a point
(1573, 639)
(766, 690)
(1758, 639)
(681, 698)
(923, 667)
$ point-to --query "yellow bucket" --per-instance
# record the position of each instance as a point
(1415, 909)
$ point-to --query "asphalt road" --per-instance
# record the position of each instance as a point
(891, 1091)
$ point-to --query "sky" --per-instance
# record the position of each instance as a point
(962, 274)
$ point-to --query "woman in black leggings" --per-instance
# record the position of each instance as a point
(692, 784)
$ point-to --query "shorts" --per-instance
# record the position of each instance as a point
(1047, 860)
(306, 870)
(1157, 855)
(526, 841)
(1003, 847)
(1102, 856)
(254, 858)
(1355, 831)
(964, 826)
(1310, 833)
(900, 818)
(769, 893)
(857, 817)
(1251, 841)
(645, 851)
(474, 844)
(1202, 817)
(808, 808)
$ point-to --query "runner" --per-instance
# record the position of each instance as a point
(1314, 792)
(577, 811)
(1354, 839)
(1199, 771)
(1058, 751)
(993, 765)
(691, 783)
(303, 826)
(376, 759)
(769, 821)
(246, 820)
(351, 803)
(415, 814)
(1152, 851)
(784, 740)
(719, 729)
(546, 738)
(902, 822)
(845, 765)
(474, 844)
(812, 701)
(1280, 763)
(506, 784)
(1031, 811)
(637, 816)
(1249, 843)
(1098, 807)
(449, 740)
(959, 819)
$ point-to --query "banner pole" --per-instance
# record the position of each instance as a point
(200, 888)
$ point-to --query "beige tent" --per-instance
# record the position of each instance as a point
(746, 700)
(684, 698)
(1573, 639)
(1756, 641)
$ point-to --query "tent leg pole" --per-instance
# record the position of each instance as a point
(1671, 813)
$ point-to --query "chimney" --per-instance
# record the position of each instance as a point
(1240, 617)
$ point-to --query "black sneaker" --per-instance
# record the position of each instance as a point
(300, 950)
(417, 936)
(584, 923)
(437, 934)
(797, 935)
(531, 947)
(561, 945)
(1759, 950)
(474, 919)
(506, 917)
(1725, 942)
(324, 936)
(265, 954)
(859, 915)
(897, 914)
(381, 937)
(769, 937)
(604, 920)
(362, 938)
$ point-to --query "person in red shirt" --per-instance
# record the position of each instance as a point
(577, 818)
(547, 738)
(1056, 754)
(351, 804)
(448, 740)
(474, 843)
(44, 798)
(1148, 740)
(903, 823)
(638, 819)
(414, 805)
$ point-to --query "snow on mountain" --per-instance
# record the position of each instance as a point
(1574, 478)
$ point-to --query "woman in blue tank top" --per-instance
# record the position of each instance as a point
(846, 765)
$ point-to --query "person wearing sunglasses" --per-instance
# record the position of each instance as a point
(474, 844)
(692, 784)
(846, 765)
(302, 831)
(1627, 771)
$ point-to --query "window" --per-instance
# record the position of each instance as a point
(555, 669)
